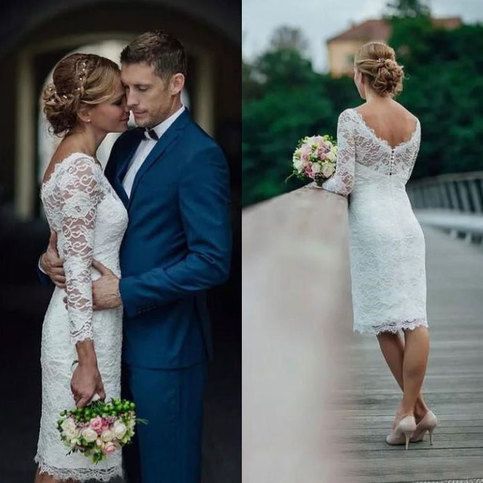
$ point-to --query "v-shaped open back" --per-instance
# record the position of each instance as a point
(384, 141)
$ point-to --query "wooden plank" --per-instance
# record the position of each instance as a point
(453, 386)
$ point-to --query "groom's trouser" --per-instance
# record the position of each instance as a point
(168, 448)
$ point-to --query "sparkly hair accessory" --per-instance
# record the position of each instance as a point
(82, 77)
(51, 96)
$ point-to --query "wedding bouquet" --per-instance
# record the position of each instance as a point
(315, 158)
(99, 429)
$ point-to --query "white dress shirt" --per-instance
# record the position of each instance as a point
(144, 148)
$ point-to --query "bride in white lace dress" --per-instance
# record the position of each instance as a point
(84, 103)
(378, 146)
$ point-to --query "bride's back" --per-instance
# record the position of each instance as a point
(390, 122)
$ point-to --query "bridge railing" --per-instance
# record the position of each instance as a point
(453, 202)
(460, 191)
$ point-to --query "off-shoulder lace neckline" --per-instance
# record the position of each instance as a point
(74, 155)
(385, 141)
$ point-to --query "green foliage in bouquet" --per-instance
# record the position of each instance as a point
(99, 428)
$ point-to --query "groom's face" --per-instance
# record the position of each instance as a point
(151, 98)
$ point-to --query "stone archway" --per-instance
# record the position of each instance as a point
(213, 83)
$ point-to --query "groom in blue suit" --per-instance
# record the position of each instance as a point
(173, 179)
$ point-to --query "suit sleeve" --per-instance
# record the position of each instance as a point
(43, 277)
(204, 205)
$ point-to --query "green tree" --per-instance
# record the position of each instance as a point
(283, 100)
(288, 38)
(408, 8)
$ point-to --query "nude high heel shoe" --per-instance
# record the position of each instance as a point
(403, 432)
(428, 423)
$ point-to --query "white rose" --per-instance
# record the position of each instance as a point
(74, 442)
(332, 156)
(68, 425)
(89, 435)
(316, 168)
(107, 436)
(328, 170)
(119, 429)
(298, 164)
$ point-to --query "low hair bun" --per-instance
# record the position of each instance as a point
(377, 63)
(77, 79)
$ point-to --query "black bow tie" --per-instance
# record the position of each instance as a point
(152, 134)
(143, 134)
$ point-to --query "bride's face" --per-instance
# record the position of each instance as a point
(359, 82)
(112, 115)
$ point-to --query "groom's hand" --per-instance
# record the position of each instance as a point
(52, 264)
(105, 290)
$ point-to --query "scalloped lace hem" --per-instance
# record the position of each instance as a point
(80, 474)
(394, 326)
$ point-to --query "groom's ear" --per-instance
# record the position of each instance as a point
(176, 84)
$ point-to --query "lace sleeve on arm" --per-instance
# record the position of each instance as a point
(80, 194)
(417, 141)
(342, 181)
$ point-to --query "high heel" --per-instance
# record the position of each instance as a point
(427, 424)
(403, 432)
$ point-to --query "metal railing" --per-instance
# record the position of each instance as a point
(460, 191)
(452, 202)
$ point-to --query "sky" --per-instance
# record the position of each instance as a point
(322, 19)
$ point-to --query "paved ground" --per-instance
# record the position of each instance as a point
(453, 388)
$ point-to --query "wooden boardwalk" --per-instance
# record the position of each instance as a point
(318, 400)
(453, 387)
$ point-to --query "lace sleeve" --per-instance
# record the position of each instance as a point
(342, 181)
(80, 193)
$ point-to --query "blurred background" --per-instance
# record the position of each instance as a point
(297, 78)
(34, 36)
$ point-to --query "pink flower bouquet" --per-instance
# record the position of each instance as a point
(315, 158)
(98, 429)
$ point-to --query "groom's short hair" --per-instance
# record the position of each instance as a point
(160, 49)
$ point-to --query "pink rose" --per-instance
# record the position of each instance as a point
(109, 448)
(105, 424)
(97, 424)
(322, 151)
(305, 152)
(309, 172)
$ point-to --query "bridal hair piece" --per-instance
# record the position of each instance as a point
(377, 63)
(78, 80)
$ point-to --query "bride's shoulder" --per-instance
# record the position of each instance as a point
(407, 114)
(348, 112)
(78, 161)
(72, 165)
(348, 116)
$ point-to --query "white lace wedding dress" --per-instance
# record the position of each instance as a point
(387, 247)
(90, 221)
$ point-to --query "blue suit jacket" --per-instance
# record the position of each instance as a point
(177, 244)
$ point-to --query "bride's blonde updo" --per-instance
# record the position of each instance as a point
(77, 79)
(377, 63)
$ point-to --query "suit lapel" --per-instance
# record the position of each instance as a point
(159, 149)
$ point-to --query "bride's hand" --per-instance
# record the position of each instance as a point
(85, 383)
